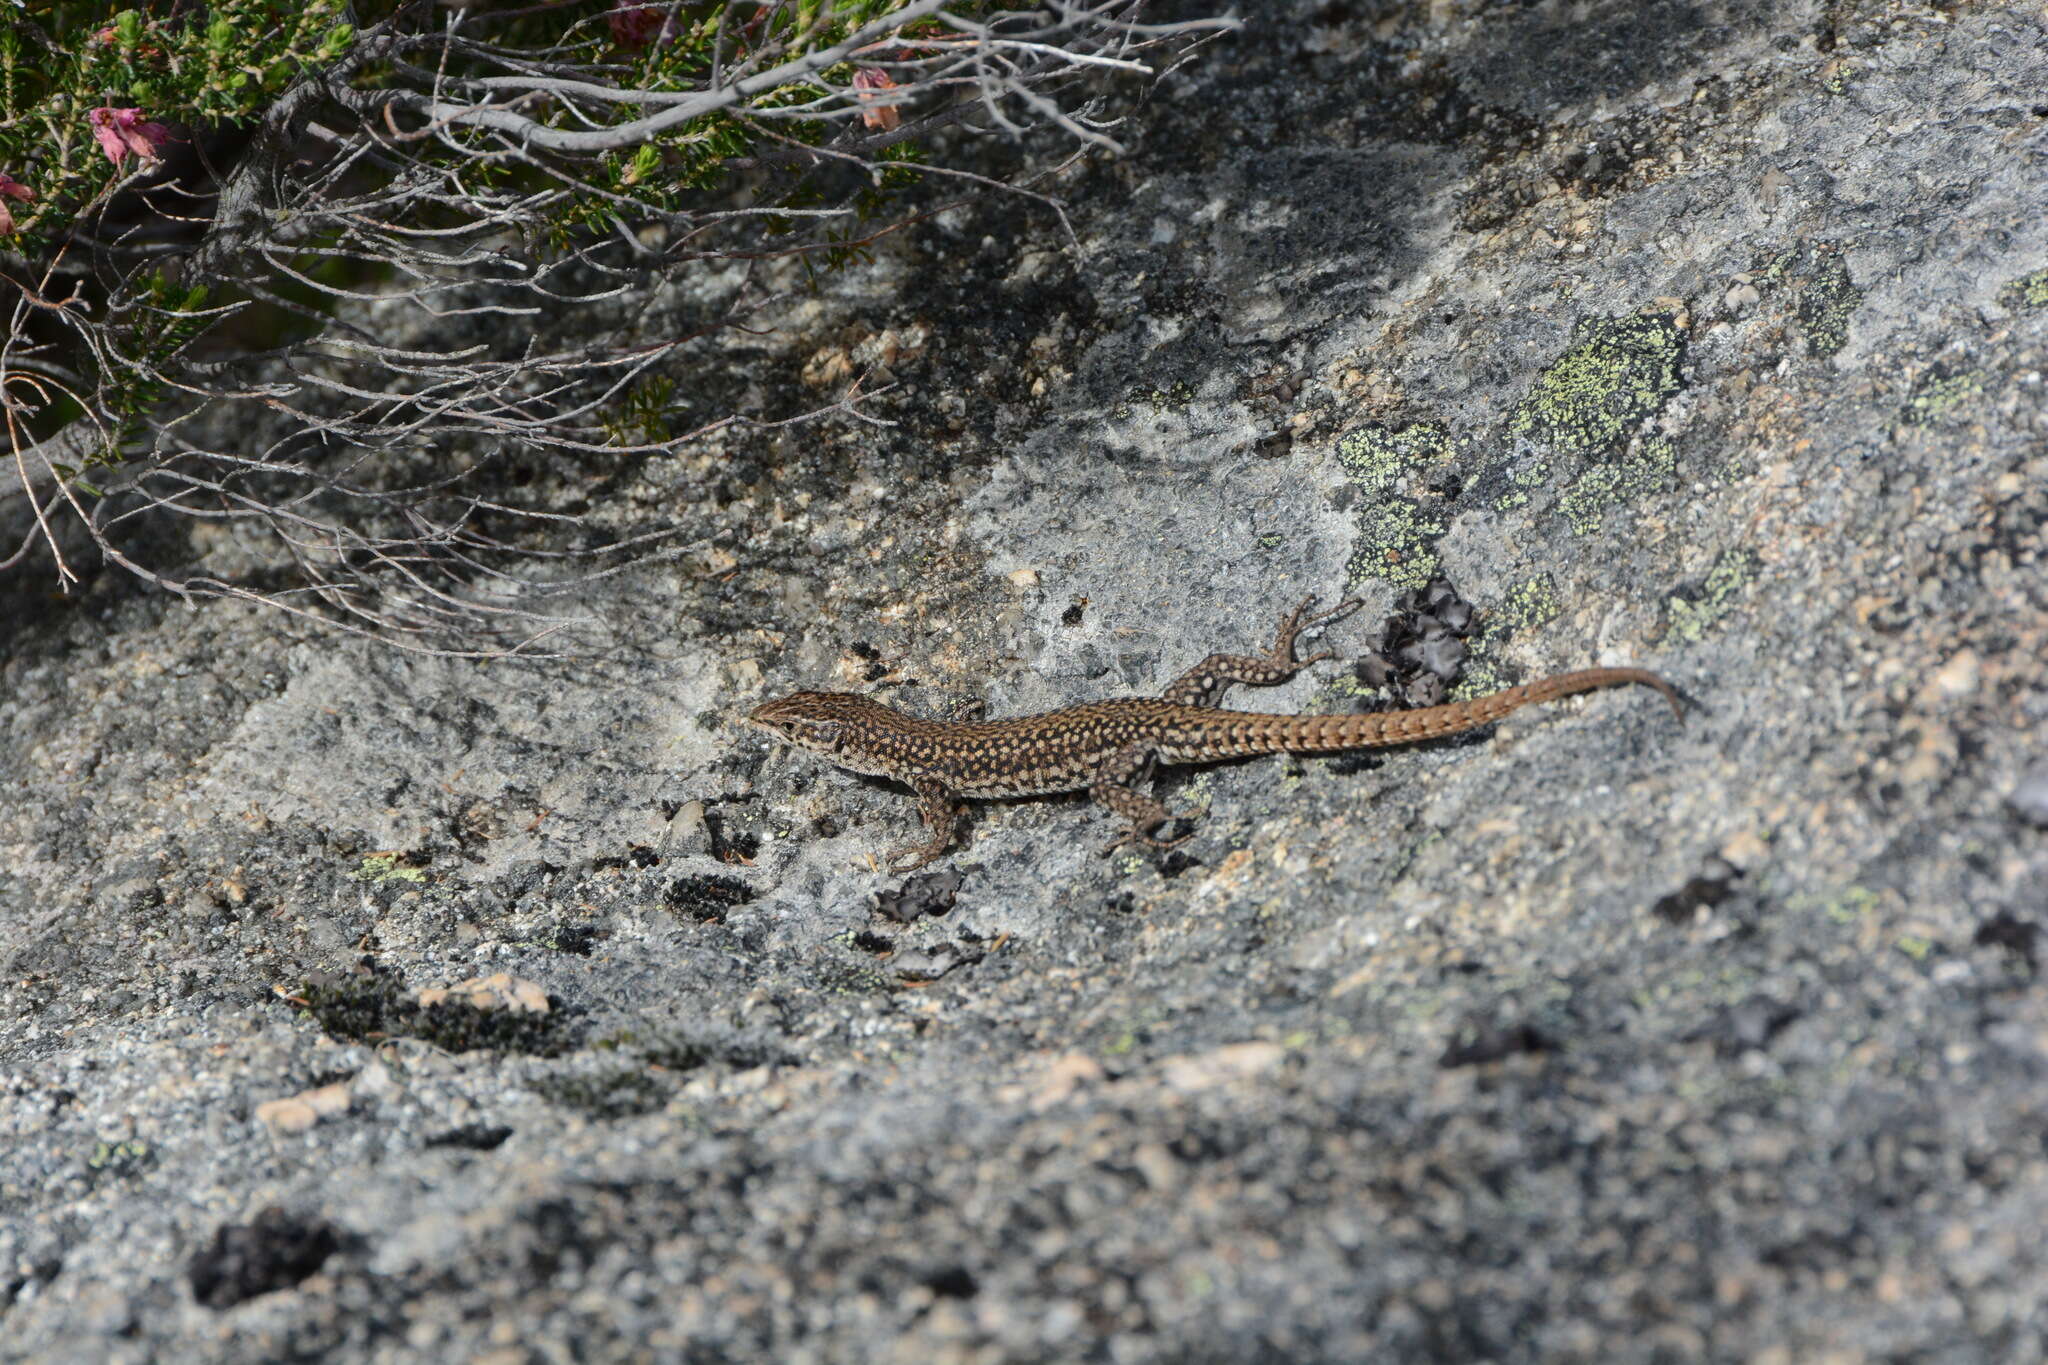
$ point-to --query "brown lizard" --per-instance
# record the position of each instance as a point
(1104, 747)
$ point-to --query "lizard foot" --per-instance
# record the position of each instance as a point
(1145, 839)
(918, 855)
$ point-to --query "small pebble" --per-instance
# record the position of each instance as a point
(2029, 800)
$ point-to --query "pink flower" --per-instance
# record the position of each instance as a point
(121, 133)
(868, 82)
(636, 23)
(10, 188)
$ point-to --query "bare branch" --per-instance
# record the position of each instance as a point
(399, 245)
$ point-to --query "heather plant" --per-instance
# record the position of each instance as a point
(351, 235)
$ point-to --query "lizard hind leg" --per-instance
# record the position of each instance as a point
(935, 802)
(1112, 790)
(1206, 683)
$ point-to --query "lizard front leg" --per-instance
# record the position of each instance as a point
(935, 802)
(1206, 683)
(1113, 791)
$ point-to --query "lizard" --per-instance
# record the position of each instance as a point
(1106, 748)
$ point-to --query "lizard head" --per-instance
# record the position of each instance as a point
(822, 722)
(809, 720)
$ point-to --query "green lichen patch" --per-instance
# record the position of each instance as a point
(1528, 604)
(2028, 291)
(1915, 946)
(1483, 677)
(848, 972)
(1692, 611)
(1827, 301)
(1941, 394)
(1607, 486)
(1396, 542)
(390, 867)
(1175, 397)
(1618, 374)
(1376, 456)
(119, 1160)
(376, 1005)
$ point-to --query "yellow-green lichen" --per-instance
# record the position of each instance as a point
(1692, 614)
(1940, 393)
(1375, 456)
(1172, 398)
(1341, 693)
(2028, 291)
(1396, 542)
(1608, 486)
(387, 867)
(844, 976)
(1827, 302)
(127, 1157)
(1845, 906)
(1528, 604)
(1618, 373)
(1482, 677)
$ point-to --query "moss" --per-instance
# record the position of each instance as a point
(1396, 542)
(1827, 302)
(1940, 393)
(1618, 373)
(707, 898)
(2028, 291)
(612, 1093)
(1376, 456)
(1692, 612)
(378, 1006)
(1604, 487)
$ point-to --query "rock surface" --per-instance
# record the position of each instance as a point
(1703, 336)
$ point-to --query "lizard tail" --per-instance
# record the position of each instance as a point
(1333, 734)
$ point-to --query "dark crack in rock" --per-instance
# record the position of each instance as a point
(275, 1251)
